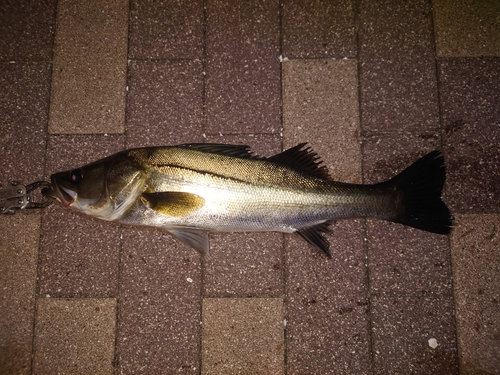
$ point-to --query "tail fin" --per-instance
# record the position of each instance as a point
(420, 186)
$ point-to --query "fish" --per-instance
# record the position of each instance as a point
(190, 190)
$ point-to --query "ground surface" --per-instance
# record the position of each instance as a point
(371, 85)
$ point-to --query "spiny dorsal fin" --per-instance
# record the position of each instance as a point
(237, 151)
(314, 235)
(304, 159)
(173, 203)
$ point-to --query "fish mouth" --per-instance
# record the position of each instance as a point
(59, 194)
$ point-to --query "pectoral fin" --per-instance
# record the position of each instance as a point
(173, 203)
(196, 239)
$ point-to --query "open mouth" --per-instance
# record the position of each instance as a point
(59, 194)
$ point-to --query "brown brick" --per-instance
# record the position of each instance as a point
(90, 64)
(75, 336)
(475, 245)
(467, 28)
(19, 237)
(320, 106)
(242, 335)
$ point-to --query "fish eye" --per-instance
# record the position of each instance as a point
(76, 176)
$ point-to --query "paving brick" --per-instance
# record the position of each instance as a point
(327, 322)
(165, 104)
(327, 305)
(166, 29)
(65, 152)
(27, 29)
(405, 260)
(469, 100)
(75, 336)
(318, 29)
(386, 155)
(90, 64)
(242, 336)
(209, 71)
(320, 106)
(160, 305)
(397, 66)
(244, 265)
(467, 28)
(24, 104)
(79, 255)
(401, 329)
(475, 245)
(242, 68)
(19, 237)
(406, 267)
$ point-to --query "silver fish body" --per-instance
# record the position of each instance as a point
(191, 189)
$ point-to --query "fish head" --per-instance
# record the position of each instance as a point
(104, 189)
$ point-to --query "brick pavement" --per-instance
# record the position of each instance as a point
(371, 85)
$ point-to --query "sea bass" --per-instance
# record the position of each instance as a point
(192, 189)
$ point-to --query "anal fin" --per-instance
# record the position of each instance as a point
(315, 236)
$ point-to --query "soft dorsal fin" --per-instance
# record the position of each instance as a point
(314, 235)
(238, 151)
(173, 203)
(304, 159)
